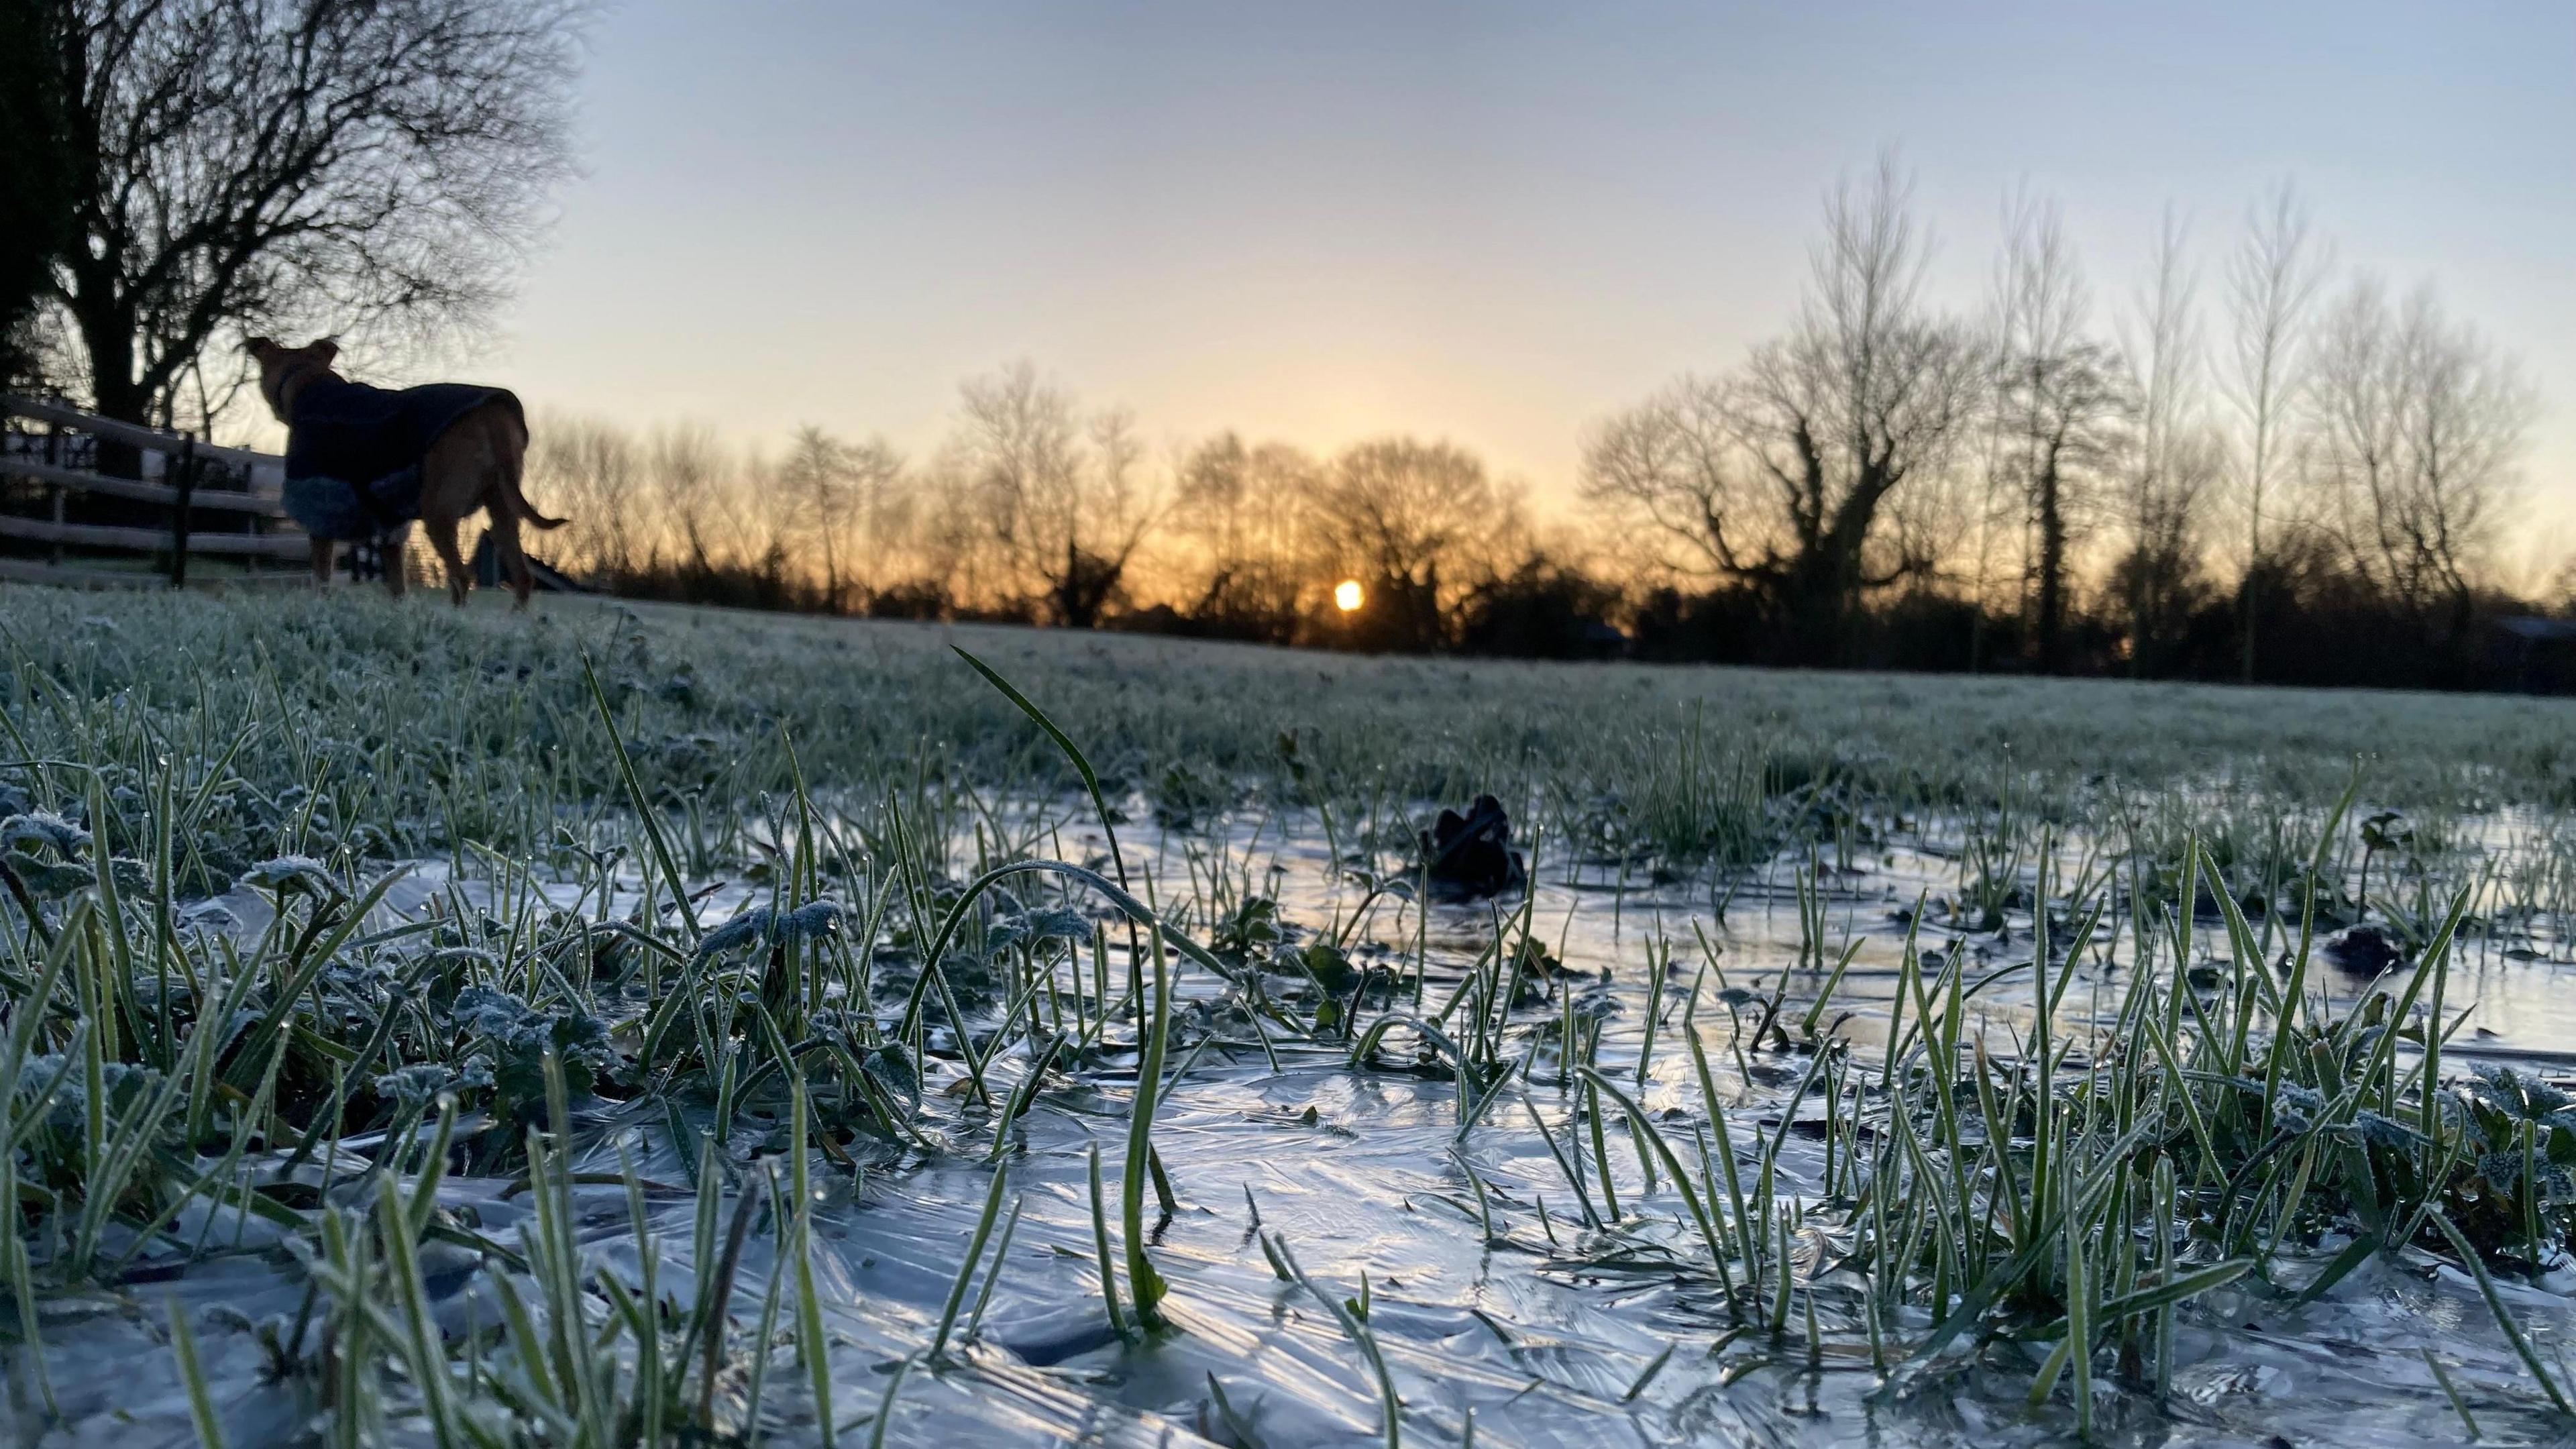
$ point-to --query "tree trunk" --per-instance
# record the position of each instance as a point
(1816, 598)
(107, 335)
(2139, 628)
(2052, 572)
(1824, 582)
(2246, 605)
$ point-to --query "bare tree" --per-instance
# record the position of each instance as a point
(38, 174)
(1110, 517)
(312, 166)
(1676, 463)
(1778, 478)
(1994, 497)
(2176, 459)
(598, 472)
(1066, 513)
(1018, 454)
(818, 489)
(764, 533)
(2420, 427)
(1415, 522)
(2272, 282)
(884, 508)
(1869, 391)
(1244, 517)
(2061, 399)
(954, 553)
(690, 488)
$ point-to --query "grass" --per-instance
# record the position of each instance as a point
(435, 730)
(2036, 1168)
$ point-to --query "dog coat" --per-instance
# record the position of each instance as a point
(353, 452)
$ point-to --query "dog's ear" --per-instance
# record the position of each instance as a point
(324, 349)
(259, 347)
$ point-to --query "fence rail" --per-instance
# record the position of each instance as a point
(224, 500)
(186, 463)
(151, 540)
(133, 435)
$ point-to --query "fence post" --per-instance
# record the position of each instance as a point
(254, 524)
(186, 479)
(54, 458)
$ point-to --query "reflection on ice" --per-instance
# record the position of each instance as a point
(1488, 1290)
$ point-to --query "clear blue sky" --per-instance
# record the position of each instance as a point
(1487, 221)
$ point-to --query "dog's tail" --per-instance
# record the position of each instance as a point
(514, 457)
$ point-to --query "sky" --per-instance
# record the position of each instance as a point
(1489, 222)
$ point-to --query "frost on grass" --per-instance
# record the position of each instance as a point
(1621, 1152)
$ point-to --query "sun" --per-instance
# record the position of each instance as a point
(1347, 596)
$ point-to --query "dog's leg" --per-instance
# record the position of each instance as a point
(455, 478)
(395, 550)
(321, 562)
(442, 537)
(514, 559)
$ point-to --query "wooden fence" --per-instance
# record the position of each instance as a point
(48, 454)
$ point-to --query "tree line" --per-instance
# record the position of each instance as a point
(1037, 509)
(2303, 477)
(2308, 481)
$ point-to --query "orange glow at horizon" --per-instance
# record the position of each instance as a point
(1347, 596)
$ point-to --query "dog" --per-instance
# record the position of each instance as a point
(362, 462)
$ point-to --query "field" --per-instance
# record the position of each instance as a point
(624, 1025)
